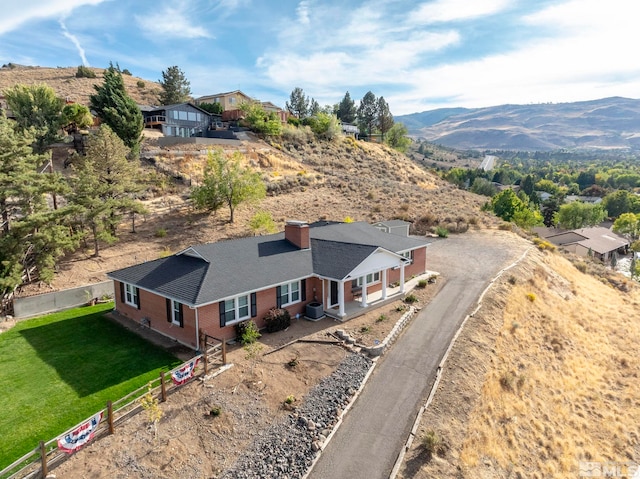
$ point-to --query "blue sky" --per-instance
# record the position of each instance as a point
(419, 55)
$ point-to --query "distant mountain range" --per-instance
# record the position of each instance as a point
(609, 123)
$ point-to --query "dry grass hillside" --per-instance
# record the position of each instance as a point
(66, 85)
(544, 376)
(305, 180)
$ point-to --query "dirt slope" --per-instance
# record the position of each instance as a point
(66, 85)
(544, 376)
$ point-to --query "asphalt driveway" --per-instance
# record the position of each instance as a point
(374, 431)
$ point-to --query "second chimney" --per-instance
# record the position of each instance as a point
(297, 233)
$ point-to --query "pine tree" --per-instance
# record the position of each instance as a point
(298, 103)
(118, 110)
(367, 113)
(33, 236)
(385, 118)
(38, 107)
(104, 186)
(346, 109)
(175, 87)
(314, 107)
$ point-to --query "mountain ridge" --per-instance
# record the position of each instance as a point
(605, 123)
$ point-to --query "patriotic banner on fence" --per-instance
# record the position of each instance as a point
(182, 375)
(80, 436)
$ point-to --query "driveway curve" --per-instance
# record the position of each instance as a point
(374, 431)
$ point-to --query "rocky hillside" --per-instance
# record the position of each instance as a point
(66, 85)
(609, 123)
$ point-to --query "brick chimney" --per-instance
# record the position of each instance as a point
(297, 233)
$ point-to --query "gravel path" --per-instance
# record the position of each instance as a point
(287, 449)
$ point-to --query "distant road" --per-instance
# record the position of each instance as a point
(368, 442)
(488, 163)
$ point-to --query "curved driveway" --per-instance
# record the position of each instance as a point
(374, 431)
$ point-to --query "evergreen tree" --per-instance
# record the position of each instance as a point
(226, 181)
(298, 103)
(175, 87)
(385, 118)
(38, 107)
(367, 113)
(347, 109)
(33, 236)
(314, 107)
(104, 186)
(118, 110)
(527, 185)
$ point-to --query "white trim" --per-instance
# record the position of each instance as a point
(174, 311)
(191, 252)
(134, 293)
(289, 291)
(236, 309)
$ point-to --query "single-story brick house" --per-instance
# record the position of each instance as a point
(210, 287)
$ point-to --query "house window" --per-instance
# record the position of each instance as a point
(176, 313)
(408, 255)
(191, 116)
(131, 295)
(232, 100)
(289, 293)
(198, 116)
(236, 309)
(371, 278)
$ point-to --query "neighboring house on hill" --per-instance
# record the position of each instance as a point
(211, 287)
(594, 200)
(350, 130)
(601, 242)
(269, 107)
(230, 100)
(181, 119)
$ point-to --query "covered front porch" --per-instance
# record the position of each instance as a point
(356, 307)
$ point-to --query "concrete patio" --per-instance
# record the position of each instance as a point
(353, 309)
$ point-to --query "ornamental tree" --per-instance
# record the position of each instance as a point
(227, 181)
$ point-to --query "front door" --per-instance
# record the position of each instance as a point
(334, 293)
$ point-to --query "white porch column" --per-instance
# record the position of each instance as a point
(402, 277)
(384, 284)
(341, 312)
(363, 303)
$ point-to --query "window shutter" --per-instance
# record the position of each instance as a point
(278, 298)
(223, 315)
(303, 292)
(122, 292)
(254, 305)
(138, 297)
(168, 310)
(181, 315)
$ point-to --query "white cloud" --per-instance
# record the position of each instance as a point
(452, 10)
(15, 14)
(75, 41)
(303, 12)
(171, 22)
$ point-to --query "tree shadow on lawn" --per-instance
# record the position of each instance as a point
(91, 353)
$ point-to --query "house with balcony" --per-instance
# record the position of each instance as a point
(181, 120)
(342, 269)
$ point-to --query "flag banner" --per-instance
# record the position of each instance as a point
(80, 436)
(185, 373)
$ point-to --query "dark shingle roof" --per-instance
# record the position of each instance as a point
(333, 259)
(209, 272)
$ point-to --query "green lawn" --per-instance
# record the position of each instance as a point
(59, 369)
